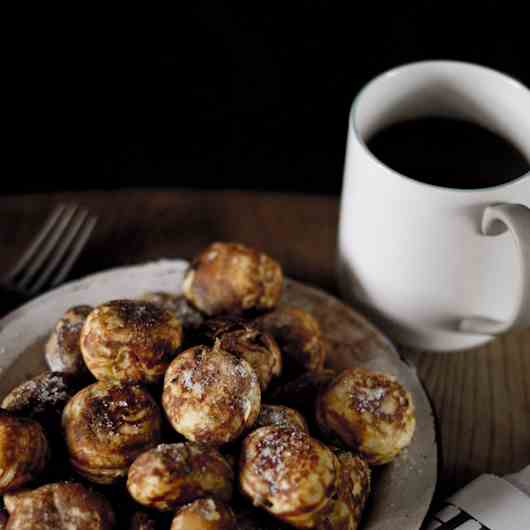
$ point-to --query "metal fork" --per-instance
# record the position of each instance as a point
(51, 254)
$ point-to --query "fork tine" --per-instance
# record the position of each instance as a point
(78, 247)
(59, 253)
(35, 243)
(47, 248)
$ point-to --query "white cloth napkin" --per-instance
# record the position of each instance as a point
(487, 503)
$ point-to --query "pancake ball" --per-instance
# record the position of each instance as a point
(43, 399)
(289, 474)
(299, 337)
(63, 352)
(229, 278)
(172, 474)
(244, 340)
(130, 341)
(10, 499)
(280, 416)
(107, 425)
(61, 506)
(23, 451)
(189, 316)
(204, 514)
(368, 411)
(352, 493)
(142, 521)
(210, 396)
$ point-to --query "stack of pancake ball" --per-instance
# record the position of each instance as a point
(211, 410)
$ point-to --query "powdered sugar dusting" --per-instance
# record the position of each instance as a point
(280, 416)
(282, 453)
(140, 315)
(229, 377)
(191, 383)
(368, 399)
(40, 393)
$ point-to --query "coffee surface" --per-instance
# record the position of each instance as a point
(448, 152)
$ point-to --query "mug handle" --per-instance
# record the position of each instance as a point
(496, 220)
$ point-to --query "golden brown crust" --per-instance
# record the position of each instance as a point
(61, 506)
(369, 411)
(23, 451)
(290, 474)
(204, 514)
(230, 278)
(107, 425)
(130, 341)
(299, 337)
(63, 352)
(172, 474)
(42, 398)
(352, 493)
(10, 499)
(244, 340)
(191, 318)
(280, 416)
(210, 396)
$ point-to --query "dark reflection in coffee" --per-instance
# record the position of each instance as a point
(448, 152)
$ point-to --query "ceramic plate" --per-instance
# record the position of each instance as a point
(402, 490)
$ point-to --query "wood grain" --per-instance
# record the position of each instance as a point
(136, 226)
(481, 397)
(482, 405)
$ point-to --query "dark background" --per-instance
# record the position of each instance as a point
(248, 95)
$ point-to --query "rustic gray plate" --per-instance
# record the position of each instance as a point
(402, 490)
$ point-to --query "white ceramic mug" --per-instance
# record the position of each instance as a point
(441, 268)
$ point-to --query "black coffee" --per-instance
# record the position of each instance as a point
(448, 152)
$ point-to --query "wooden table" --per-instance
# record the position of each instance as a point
(481, 397)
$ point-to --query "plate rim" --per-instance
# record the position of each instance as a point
(79, 282)
(177, 265)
